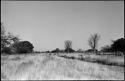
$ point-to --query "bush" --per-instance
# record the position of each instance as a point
(22, 47)
(91, 51)
(57, 50)
(6, 50)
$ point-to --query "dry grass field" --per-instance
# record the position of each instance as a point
(57, 67)
(102, 59)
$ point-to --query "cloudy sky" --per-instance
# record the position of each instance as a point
(47, 24)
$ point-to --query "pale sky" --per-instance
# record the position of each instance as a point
(47, 24)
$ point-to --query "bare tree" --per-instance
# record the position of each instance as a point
(68, 45)
(93, 41)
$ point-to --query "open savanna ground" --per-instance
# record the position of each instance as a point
(45, 66)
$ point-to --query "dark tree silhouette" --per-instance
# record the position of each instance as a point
(22, 47)
(91, 50)
(68, 46)
(106, 48)
(93, 41)
(118, 45)
(57, 50)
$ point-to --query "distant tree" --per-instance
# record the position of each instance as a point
(57, 50)
(93, 41)
(22, 47)
(69, 50)
(47, 51)
(91, 50)
(68, 46)
(79, 50)
(106, 48)
(118, 45)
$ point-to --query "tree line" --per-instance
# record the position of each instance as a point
(13, 44)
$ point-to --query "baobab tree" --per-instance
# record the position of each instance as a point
(93, 41)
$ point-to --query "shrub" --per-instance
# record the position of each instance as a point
(22, 47)
(6, 50)
(91, 50)
(57, 50)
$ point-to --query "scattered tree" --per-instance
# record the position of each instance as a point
(91, 50)
(106, 48)
(79, 51)
(4, 38)
(7, 39)
(22, 47)
(57, 50)
(68, 46)
(47, 51)
(93, 41)
(118, 45)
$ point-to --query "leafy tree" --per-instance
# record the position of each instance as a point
(118, 45)
(4, 38)
(93, 41)
(7, 39)
(22, 47)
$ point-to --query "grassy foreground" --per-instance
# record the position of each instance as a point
(53, 67)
